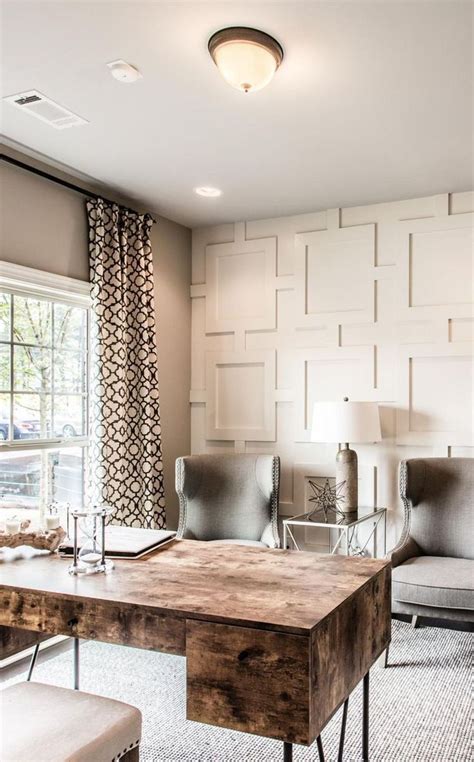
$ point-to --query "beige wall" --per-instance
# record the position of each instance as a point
(172, 265)
(44, 226)
(372, 302)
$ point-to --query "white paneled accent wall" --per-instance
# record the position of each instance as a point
(373, 303)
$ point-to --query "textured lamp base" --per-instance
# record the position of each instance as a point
(346, 471)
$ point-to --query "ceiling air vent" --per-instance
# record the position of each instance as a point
(34, 103)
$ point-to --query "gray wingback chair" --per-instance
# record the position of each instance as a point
(433, 567)
(231, 498)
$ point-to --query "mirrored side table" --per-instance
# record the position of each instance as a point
(345, 526)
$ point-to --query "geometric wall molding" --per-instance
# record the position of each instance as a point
(331, 373)
(334, 275)
(435, 397)
(285, 229)
(240, 285)
(202, 343)
(371, 302)
(240, 403)
(197, 290)
(435, 273)
(461, 329)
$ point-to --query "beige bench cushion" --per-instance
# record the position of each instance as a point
(45, 723)
(435, 581)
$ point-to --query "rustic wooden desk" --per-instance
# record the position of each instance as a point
(275, 640)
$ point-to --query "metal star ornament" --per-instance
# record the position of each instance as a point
(326, 498)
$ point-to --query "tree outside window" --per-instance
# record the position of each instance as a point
(43, 397)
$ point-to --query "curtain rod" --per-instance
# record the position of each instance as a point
(59, 181)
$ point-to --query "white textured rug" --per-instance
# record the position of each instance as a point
(420, 707)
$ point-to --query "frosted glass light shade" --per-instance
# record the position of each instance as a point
(245, 66)
(346, 422)
(246, 58)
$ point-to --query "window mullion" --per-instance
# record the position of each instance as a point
(24, 445)
(51, 359)
(87, 373)
(12, 359)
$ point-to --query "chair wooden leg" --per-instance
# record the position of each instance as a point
(414, 620)
(131, 756)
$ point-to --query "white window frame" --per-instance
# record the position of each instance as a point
(27, 281)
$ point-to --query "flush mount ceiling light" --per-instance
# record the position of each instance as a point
(124, 71)
(207, 191)
(247, 58)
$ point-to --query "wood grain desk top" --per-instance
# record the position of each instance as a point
(281, 590)
(275, 640)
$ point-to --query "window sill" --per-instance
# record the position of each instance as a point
(42, 444)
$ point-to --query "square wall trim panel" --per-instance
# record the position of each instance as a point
(240, 395)
(240, 285)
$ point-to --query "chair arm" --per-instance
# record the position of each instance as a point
(402, 552)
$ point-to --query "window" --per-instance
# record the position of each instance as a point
(43, 390)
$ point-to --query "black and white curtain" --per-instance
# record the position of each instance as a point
(126, 468)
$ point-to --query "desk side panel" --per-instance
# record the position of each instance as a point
(250, 680)
(120, 623)
(346, 644)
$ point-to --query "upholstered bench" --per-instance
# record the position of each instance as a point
(45, 723)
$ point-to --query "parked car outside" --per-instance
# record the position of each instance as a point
(64, 426)
(32, 426)
(21, 430)
(67, 427)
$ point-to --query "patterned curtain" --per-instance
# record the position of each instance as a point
(126, 468)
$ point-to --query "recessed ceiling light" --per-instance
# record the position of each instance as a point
(124, 71)
(206, 190)
(247, 58)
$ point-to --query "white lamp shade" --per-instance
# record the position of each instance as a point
(346, 422)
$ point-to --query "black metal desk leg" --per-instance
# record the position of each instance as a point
(287, 752)
(320, 749)
(76, 664)
(33, 661)
(365, 720)
(343, 730)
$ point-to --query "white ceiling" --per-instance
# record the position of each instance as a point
(372, 103)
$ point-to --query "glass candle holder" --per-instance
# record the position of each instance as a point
(66, 514)
(89, 540)
(52, 518)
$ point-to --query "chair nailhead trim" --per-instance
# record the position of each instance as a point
(129, 748)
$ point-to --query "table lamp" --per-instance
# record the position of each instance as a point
(345, 422)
